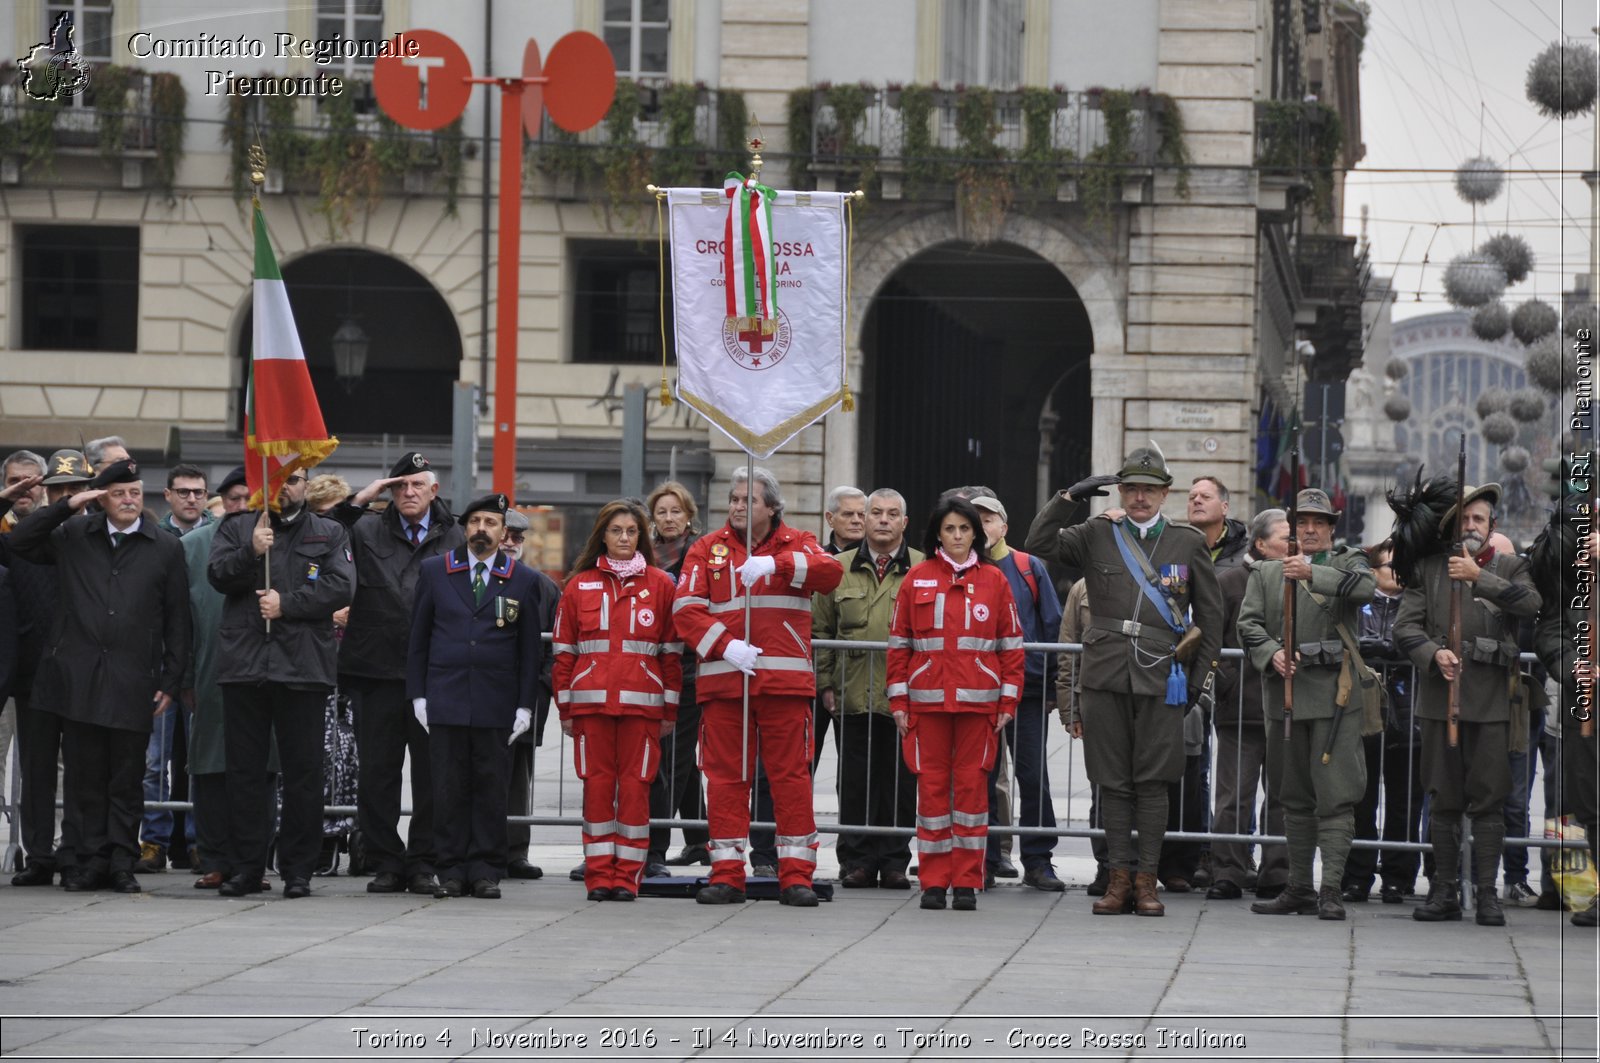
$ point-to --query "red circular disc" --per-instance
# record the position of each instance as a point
(532, 95)
(427, 90)
(583, 79)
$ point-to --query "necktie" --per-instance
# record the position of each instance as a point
(116, 539)
(416, 534)
(883, 566)
(477, 582)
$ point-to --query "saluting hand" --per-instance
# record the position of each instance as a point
(21, 487)
(261, 538)
(83, 498)
(369, 494)
(1093, 487)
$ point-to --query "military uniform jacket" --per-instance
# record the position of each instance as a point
(374, 643)
(1345, 583)
(123, 630)
(477, 663)
(1490, 609)
(859, 609)
(314, 575)
(1136, 662)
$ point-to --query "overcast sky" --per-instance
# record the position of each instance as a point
(1442, 81)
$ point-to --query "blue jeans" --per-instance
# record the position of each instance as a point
(157, 825)
(1025, 737)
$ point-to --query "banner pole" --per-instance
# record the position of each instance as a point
(266, 515)
(749, 552)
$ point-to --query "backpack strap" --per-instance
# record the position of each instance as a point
(1025, 566)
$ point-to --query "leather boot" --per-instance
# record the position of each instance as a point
(1118, 897)
(1444, 901)
(1489, 911)
(1329, 903)
(1589, 916)
(1145, 900)
(1294, 900)
(1489, 841)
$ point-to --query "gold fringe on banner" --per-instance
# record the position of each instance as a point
(661, 304)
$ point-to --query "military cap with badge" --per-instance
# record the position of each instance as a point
(68, 467)
(506, 610)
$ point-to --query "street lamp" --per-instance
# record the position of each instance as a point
(349, 354)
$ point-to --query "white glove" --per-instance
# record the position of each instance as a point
(756, 568)
(420, 707)
(742, 656)
(520, 727)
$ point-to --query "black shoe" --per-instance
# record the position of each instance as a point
(1442, 906)
(1223, 890)
(1392, 895)
(763, 871)
(295, 889)
(34, 875)
(988, 878)
(893, 880)
(689, 854)
(1043, 878)
(933, 898)
(603, 893)
(520, 868)
(1297, 900)
(486, 889)
(622, 893)
(964, 899)
(81, 881)
(422, 884)
(1589, 916)
(657, 870)
(238, 886)
(451, 887)
(719, 893)
(124, 882)
(387, 882)
(1489, 912)
(859, 878)
(576, 874)
(1102, 878)
(1549, 901)
(1202, 877)
(798, 896)
(1329, 906)
(1005, 868)
(1267, 893)
(1356, 895)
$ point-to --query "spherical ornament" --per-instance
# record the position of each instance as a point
(1546, 365)
(1499, 428)
(1397, 407)
(1561, 80)
(1513, 254)
(1492, 400)
(1533, 321)
(1396, 368)
(1478, 180)
(1582, 316)
(1527, 405)
(1472, 280)
(1491, 321)
(1514, 459)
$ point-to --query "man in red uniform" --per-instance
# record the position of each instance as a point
(784, 569)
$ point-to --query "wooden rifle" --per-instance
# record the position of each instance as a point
(1453, 718)
(1289, 584)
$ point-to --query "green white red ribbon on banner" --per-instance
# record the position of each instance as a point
(749, 276)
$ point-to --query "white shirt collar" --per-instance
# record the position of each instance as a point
(1144, 528)
(111, 529)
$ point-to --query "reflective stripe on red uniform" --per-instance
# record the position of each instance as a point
(951, 751)
(617, 758)
(955, 642)
(781, 727)
(615, 646)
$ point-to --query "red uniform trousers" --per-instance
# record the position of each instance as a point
(951, 751)
(616, 757)
(780, 726)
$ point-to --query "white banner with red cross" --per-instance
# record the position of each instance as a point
(758, 305)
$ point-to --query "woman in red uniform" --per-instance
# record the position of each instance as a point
(955, 672)
(617, 674)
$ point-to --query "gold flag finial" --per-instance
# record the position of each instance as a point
(258, 173)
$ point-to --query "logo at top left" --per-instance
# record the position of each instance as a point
(54, 69)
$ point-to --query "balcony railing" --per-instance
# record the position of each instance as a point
(1297, 150)
(131, 118)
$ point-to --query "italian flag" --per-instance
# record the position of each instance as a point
(283, 429)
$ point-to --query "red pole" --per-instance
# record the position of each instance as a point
(506, 290)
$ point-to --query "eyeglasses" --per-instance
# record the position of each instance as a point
(188, 492)
(513, 537)
(291, 481)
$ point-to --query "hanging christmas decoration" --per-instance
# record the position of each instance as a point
(1472, 280)
(1582, 316)
(1492, 400)
(1514, 459)
(1478, 180)
(1533, 321)
(1561, 80)
(1546, 365)
(1397, 407)
(1499, 428)
(1491, 321)
(1513, 254)
(1527, 405)
(1396, 368)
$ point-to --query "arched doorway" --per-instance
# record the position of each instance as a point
(978, 361)
(413, 342)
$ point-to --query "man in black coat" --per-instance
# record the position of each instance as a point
(115, 658)
(520, 796)
(276, 664)
(389, 550)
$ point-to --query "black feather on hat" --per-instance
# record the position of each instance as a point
(1420, 529)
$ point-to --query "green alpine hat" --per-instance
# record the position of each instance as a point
(1146, 465)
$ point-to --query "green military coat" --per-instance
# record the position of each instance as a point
(859, 608)
(1345, 582)
(1490, 610)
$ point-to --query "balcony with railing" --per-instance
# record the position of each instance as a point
(132, 119)
(1298, 146)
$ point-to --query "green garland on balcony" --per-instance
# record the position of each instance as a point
(1280, 124)
(1102, 172)
(108, 95)
(799, 123)
(926, 163)
(1040, 162)
(1172, 146)
(984, 189)
(169, 103)
(733, 118)
(625, 163)
(675, 166)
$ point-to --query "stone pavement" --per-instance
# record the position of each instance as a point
(180, 973)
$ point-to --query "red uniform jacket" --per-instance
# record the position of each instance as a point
(615, 648)
(955, 643)
(710, 610)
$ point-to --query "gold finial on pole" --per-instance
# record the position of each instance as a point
(258, 172)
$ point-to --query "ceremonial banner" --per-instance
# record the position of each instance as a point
(283, 428)
(760, 379)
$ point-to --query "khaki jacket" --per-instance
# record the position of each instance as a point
(858, 609)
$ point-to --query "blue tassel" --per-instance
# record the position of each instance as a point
(1177, 686)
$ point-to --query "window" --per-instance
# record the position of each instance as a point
(616, 302)
(636, 33)
(91, 26)
(353, 20)
(80, 288)
(982, 43)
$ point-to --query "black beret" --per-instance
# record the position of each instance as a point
(125, 471)
(410, 464)
(487, 504)
(233, 479)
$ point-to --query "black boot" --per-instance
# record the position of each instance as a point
(1489, 911)
(1443, 904)
(1329, 904)
(1488, 843)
